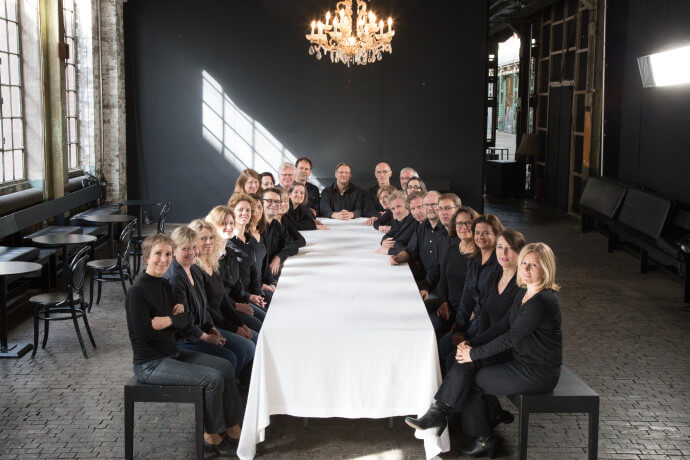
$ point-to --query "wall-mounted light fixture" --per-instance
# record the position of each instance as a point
(666, 68)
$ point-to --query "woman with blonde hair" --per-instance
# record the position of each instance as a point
(221, 307)
(531, 330)
(249, 181)
(232, 271)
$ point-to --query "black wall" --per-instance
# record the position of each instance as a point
(647, 134)
(422, 106)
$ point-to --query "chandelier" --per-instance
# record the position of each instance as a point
(362, 44)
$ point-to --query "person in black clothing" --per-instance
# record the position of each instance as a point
(448, 205)
(482, 265)
(231, 271)
(285, 220)
(415, 185)
(267, 180)
(279, 245)
(298, 212)
(453, 269)
(403, 227)
(221, 306)
(256, 227)
(406, 174)
(152, 319)
(382, 220)
(287, 173)
(373, 205)
(342, 200)
(187, 282)
(427, 245)
(531, 330)
(304, 167)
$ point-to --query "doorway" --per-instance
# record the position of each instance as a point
(560, 117)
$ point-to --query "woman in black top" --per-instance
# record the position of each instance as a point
(298, 240)
(298, 212)
(230, 269)
(453, 269)
(481, 266)
(385, 217)
(187, 281)
(403, 226)
(152, 319)
(531, 331)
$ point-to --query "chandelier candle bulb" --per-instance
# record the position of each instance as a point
(390, 24)
(328, 17)
(313, 26)
(381, 26)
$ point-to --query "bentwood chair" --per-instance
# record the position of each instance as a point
(137, 240)
(67, 305)
(117, 269)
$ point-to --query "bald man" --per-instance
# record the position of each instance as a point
(383, 173)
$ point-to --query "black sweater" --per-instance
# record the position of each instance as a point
(497, 305)
(401, 231)
(532, 331)
(220, 307)
(453, 270)
(296, 238)
(476, 288)
(149, 297)
(301, 217)
(229, 269)
(384, 219)
(250, 265)
(193, 298)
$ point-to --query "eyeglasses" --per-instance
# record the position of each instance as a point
(414, 187)
(287, 175)
(380, 173)
(446, 208)
(467, 224)
(271, 202)
(431, 205)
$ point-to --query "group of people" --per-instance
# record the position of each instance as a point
(195, 314)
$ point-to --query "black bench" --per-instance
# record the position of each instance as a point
(600, 201)
(571, 395)
(136, 391)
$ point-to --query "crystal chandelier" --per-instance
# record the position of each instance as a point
(365, 43)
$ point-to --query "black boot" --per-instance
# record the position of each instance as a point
(435, 417)
(504, 417)
(482, 446)
(223, 449)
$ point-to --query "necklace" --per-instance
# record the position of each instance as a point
(464, 251)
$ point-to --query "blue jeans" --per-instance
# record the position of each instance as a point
(258, 312)
(237, 350)
(251, 321)
(222, 407)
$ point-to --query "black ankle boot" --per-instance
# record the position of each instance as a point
(481, 447)
(223, 449)
(435, 417)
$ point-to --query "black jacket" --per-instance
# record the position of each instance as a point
(249, 268)
(220, 307)
(476, 288)
(301, 217)
(193, 298)
(313, 198)
(401, 232)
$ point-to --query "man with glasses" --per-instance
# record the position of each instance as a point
(286, 175)
(279, 245)
(448, 204)
(304, 167)
(405, 175)
(427, 246)
(342, 200)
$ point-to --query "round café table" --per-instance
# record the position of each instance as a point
(12, 268)
(140, 204)
(63, 240)
(110, 219)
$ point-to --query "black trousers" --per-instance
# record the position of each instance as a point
(465, 384)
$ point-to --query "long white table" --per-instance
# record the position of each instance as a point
(346, 335)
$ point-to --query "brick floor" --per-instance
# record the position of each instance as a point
(625, 334)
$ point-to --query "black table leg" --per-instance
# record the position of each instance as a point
(8, 350)
(111, 240)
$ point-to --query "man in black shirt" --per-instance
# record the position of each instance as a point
(304, 167)
(427, 245)
(279, 245)
(342, 200)
(383, 175)
(286, 175)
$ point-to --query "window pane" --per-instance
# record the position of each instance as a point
(16, 101)
(3, 14)
(7, 133)
(12, 9)
(73, 163)
(18, 133)
(13, 37)
(71, 103)
(19, 164)
(9, 170)
(2, 169)
(3, 34)
(5, 108)
(4, 68)
(14, 70)
(73, 130)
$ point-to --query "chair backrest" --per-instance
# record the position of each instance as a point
(161, 217)
(126, 243)
(603, 196)
(645, 212)
(78, 270)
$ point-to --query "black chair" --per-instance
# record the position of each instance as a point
(138, 240)
(161, 217)
(68, 305)
(117, 269)
(136, 391)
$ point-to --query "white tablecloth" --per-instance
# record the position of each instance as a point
(346, 335)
